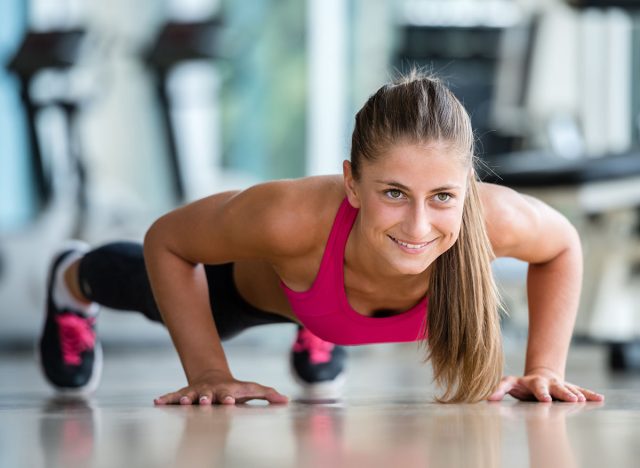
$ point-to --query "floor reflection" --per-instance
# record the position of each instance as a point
(68, 428)
(379, 422)
(333, 435)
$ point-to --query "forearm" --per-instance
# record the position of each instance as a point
(181, 293)
(554, 292)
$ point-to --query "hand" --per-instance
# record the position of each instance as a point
(542, 384)
(220, 387)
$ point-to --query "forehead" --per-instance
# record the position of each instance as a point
(418, 166)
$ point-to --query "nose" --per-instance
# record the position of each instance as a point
(417, 223)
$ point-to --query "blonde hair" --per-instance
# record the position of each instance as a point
(464, 342)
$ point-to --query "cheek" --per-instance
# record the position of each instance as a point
(381, 216)
(449, 225)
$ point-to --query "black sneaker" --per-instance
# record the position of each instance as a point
(70, 354)
(317, 365)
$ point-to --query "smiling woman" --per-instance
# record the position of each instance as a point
(396, 249)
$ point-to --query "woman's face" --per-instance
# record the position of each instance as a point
(410, 202)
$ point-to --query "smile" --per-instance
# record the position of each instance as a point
(410, 246)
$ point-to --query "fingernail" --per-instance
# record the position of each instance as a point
(203, 399)
(184, 399)
(228, 398)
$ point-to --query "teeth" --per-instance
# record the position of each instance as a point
(409, 246)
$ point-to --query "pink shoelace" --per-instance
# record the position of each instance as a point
(318, 349)
(76, 336)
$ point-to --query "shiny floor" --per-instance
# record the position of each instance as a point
(384, 418)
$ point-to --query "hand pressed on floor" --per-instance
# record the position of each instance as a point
(542, 385)
(220, 388)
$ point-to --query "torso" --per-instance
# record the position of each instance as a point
(258, 281)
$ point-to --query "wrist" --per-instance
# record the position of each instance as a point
(209, 373)
(549, 371)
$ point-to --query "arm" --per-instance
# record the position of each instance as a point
(523, 227)
(221, 228)
(180, 290)
(553, 290)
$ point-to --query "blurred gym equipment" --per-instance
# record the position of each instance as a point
(176, 44)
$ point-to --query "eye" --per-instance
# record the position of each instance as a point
(394, 194)
(443, 197)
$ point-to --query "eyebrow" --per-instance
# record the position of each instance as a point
(393, 183)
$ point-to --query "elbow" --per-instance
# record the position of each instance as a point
(573, 242)
(576, 246)
(571, 253)
(155, 238)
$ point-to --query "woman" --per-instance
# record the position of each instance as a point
(396, 249)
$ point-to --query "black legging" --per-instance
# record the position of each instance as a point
(115, 276)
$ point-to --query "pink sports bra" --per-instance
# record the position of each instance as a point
(325, 311)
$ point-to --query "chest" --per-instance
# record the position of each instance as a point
(383, 300)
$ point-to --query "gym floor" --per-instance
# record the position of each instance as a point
(385, 417)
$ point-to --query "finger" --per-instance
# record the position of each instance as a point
(503, 388)
(206, 397)
(275, 397)
(255, 391)
(591, 395)
(540, 390)
(167, 399)
(225, 397)
(188, 397)
(161, 400)
(562, 393)
(521, 390)
(577, 391)
(522, 394)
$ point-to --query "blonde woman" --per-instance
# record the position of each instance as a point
(396, 249)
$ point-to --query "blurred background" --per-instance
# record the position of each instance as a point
(112, 113)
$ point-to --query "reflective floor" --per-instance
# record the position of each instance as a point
(385, 418)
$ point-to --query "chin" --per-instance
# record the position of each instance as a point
(411, 268)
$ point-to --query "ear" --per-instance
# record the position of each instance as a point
(350, 185)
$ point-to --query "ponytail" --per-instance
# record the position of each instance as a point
(464, 342)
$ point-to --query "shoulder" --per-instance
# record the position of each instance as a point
(508, 215)
(521, 226)
(290, 215)
(272, 221)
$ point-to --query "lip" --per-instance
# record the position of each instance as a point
(408, 249)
